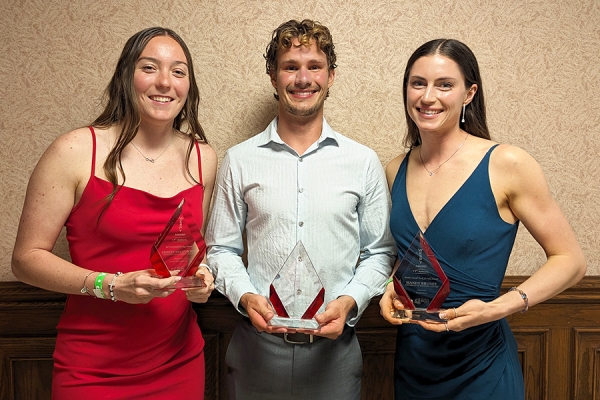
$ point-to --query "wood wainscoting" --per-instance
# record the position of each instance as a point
(559, 343)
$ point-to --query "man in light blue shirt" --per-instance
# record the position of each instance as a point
(299, 181)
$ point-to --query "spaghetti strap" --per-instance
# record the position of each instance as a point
(199, 163)
(94, 150)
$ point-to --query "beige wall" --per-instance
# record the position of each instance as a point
(539, 61)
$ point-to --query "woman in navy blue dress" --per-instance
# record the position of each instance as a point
(468, 194)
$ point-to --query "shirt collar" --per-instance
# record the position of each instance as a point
(270, 135)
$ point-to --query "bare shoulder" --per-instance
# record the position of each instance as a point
(209, 161)
(509, 156)
(209, 164)
(515, 170)
(69, 154)
(72, 142)
(208, 153)
(392, 168)
(59, 177)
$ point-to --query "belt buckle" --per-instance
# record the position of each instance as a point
(285, 339)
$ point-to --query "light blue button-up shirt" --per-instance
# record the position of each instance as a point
(334, 198)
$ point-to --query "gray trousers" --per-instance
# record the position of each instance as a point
(264, 367)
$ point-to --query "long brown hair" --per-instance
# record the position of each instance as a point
(475, 118)
(122, 107)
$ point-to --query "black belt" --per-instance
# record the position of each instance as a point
(298, 338)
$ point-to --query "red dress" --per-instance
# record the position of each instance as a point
(108, 350)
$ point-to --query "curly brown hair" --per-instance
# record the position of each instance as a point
(306, 32)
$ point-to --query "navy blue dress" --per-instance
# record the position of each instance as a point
(473, 245)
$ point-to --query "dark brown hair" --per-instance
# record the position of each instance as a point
(475, 118)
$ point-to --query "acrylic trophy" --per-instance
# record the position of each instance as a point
(420, 283)
(176, 250)
(296, 293)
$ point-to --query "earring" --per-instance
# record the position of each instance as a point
(463, 114)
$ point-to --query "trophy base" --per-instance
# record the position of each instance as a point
(294, 323)
(189, 282)
(418, 315)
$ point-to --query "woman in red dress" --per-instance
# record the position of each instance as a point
(114, 185)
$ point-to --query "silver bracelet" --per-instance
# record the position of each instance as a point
(84, 289)
(111, 287)
(523, 296)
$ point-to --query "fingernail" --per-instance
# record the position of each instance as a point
(443, 315)
(177, 278)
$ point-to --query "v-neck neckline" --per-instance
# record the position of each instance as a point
(441, 210)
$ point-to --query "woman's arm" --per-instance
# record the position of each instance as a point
(522, 193)
(529, 199)
(54, 188)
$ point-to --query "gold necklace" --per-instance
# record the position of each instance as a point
(152, 160)
(440, 166)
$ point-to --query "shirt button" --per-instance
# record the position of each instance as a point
(301, 224)
(300, 159)
(301, 190)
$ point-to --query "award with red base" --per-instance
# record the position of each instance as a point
(420, 283)
(176, 250)
(296, 293)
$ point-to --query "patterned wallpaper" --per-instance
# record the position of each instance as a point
(538, 59)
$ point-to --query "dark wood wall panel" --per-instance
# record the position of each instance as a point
(378, 346)
(533, 353)
(559, 343)
(587, 353)
(26, 367)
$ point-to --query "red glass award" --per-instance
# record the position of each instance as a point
(176, 251)
(420, 283)
(296, 293)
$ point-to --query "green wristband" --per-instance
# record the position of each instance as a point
(389, 280)
(98, 285)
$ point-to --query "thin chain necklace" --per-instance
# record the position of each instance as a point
(152, 160)
(440, 166)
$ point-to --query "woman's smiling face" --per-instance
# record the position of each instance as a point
(161, 80)
(436, 93)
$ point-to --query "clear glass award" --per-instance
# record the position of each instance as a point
(296, 293)
(420, 283)
(176, 250)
